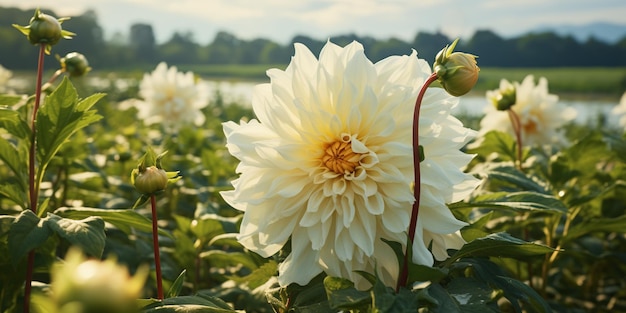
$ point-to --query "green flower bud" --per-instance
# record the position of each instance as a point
(44, 29)
(457, 72)
(151, 180)
(89, 285)
(75, 64)
(504, 97)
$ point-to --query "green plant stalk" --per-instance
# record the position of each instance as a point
(549, 260)
(33, 187)
(155, 243)
(404, 272)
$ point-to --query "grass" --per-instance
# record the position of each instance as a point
(576, 82)
(571, 82)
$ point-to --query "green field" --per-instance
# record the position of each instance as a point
(582, 83)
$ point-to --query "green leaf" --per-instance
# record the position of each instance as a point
(523, 200)
(514, 177)
(13, 189)
(496, 142)
(125, 220)
(445, 302)
(499, 245)
(617, 224)
(342, 294)
(260, 275)
(62, 115)
(227, 239)
(12, 121)
(177, 285)
(88, 233)
(527, 295)
(493, 275)
(27, 233)
(423, 273)
(10, 100)
(219, 258)
(14, 160)
(189, 304)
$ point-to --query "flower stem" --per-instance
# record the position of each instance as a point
(155, 243)
(517, 129)
(32, 185)
(404, 273)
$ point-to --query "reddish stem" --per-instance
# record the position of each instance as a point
(155, 242)
(33, 191)
(404, 273)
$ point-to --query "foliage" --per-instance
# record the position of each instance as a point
(548, 236)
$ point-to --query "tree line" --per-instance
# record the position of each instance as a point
(140, 48)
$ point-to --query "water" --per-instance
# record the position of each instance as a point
(589, 111)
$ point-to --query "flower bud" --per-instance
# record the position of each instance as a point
(75, 64)
(457, 72)
(151, 180)
(90, 285)
(504, 97)
(44, 29)
(149, 177)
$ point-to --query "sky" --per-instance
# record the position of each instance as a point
(281, 20)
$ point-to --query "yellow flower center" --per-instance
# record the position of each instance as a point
(339, 156)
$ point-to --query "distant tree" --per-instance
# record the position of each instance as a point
(142, 43)
(224, 49)
(382, 49)
(492, 49)
(180, 49)
(428, 45)
(313, 44)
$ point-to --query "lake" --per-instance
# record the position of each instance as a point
(473, 106)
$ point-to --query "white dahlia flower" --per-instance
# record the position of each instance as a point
(620, 111)
(541, 114)
(171, 97)
(329, 164)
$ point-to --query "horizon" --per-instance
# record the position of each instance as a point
(281, 20)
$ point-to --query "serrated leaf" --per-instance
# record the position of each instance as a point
(12, 121)
(62, 115)
(499, 245)
(14, 160)
(523, 200)
(27, 233)
(122, 219)
(496, 142)
(342, 294)
(88, 233)
(13, 189)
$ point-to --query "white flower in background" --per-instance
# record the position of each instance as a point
(171, 97)
(620, 111)
(329, 164)
(89, 285)
(5, 76)
(541, 115)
